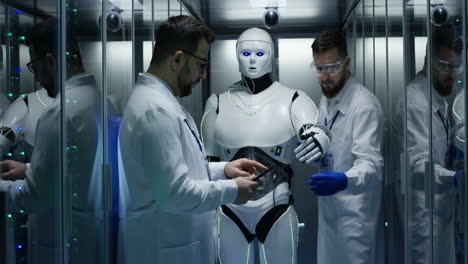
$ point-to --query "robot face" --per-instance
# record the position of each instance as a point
(254, 58)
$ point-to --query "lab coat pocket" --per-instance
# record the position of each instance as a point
(189, 253)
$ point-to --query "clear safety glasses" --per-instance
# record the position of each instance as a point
(328, 68)
(449, 66)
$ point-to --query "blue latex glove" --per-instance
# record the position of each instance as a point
(457, 177)
(328, 182)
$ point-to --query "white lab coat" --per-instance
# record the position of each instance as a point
(418, 154)
(167, 201)
(350, 225)
(37, 195)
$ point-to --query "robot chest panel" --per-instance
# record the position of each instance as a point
(264, 125)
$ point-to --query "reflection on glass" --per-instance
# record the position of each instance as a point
(427, 112)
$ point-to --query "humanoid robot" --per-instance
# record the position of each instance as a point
(261, 120)
(18, 123)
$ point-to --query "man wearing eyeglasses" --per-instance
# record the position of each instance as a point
(169, 192)
(349, 186)
(35, 188)
(427, 109)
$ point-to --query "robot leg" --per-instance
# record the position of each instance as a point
(280, 244)
(234, 241)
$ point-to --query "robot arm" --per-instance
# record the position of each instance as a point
(207, 127)
(11, 125)
(315, 138)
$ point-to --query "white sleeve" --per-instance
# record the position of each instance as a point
(366, 147)
(160, 137)
(217, 170)
(418, 149)
(37, 192)
(13, 119)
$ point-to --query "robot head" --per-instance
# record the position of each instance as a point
(255, 53)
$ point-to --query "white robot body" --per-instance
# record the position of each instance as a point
(248, 114)
(21, 117)
(264, 127)
(458, 111)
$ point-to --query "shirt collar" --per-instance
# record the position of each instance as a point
(149, 79)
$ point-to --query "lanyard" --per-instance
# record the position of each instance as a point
(445, 124)
(333, 121)
(201, 148)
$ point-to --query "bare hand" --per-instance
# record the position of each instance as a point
(242, 168)
(13, 170)
(245, 187)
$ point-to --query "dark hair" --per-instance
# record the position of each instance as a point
(180, 33)
(43, 38)
(446, 36)
(328, 40)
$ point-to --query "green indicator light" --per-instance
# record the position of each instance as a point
(457, 20)
(9, 154)
(75, 101)
(66, 4)
(9, 34)
(75, 239)
(10, 94)
(74, 10)
(22, 211)
(75, 56)
(68, 53)
(75, 195)
(459, 81)
(68, 244)
(22, 38)
(23, 95)
(68, 101)
(9, 216)
(74, 147)
(68, 148)
(22, 153)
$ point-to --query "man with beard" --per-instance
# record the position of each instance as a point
(420, 117)
(349, 185)
(169, 192)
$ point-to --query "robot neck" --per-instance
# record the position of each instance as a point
(258, 85)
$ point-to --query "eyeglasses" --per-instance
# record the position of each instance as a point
(449, 66)
(201, 65)
(328, 68)
(31, 66)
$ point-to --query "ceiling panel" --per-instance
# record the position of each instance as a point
(300, 15)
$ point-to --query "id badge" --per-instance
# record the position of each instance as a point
(327, 161)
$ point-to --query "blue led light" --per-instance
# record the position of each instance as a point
(246, 53)
(20, 128)
(19, 246)
(18, 12)
(260, 54)
(20, 188)
(19, 70)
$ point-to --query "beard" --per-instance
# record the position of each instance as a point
(331, 92)
(444, 87)
(186, 85)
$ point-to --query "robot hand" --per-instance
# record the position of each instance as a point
(316, 142)
(328, 182)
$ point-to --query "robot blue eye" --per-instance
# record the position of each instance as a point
(246, 53)
(260, 54)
